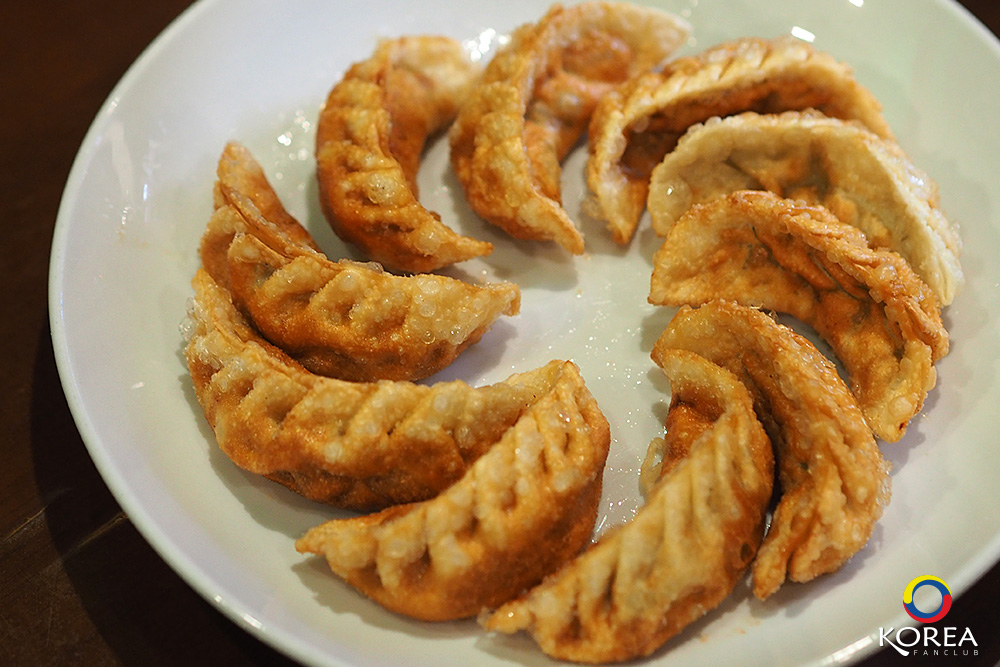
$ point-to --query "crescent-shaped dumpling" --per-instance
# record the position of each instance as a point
(533, 105)
(369, 139)
(356, 322)
(244, 201)
(635, 126)
(881, 320)
(834, 482)
(353, 445)
(343, 319)
(242, 183)
(684, 550)
(519, 512)
(863, 179)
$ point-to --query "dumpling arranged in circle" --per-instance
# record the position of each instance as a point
(355, 445)
(520, 511)
(344, 319)
(635, 126)
(882, 322)
(533, 105)
(369, 140)
(685, 549)
(861, 178)
(833, 480)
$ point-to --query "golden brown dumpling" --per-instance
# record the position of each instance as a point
(635, 126)
(882, 321)
(352, 445)
(343, 319)
(519, 512)
(683, 552)
(245, 202)
(534, 102)
(356, 322)
(241, 183)
(369, 139)
(862, 179)
(834, 482)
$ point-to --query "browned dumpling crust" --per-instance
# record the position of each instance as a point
(533, 105)
(353, 445)
(883, 323)
(684, 550)
(634, 126)
(245, 202)
(356, 322)
(519, 512)
(834, 482)
(862, 179)
(777, 184)
(369, 139)
(242, 183)
(343, 319)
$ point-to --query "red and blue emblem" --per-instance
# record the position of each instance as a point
(927, 616)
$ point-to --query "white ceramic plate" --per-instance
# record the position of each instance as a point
(139, 196)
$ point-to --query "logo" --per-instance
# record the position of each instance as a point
(925, 639)
(927, 616)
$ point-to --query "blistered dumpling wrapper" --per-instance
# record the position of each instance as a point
(353, 445)
(863, 179)
(370, 136)
(520, 511)
(881, 320)
(533, 105)
(833, 481)
(683, 552)
(344, 319)
(635, 126)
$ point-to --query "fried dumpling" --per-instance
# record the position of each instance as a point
(864, 180)
(533, 105)
(519, 512)
(242, 183)
(881, 320)
(684, 550)
(353, 445)
(245, 202)
(635, 126)
(356, 322)
(343, 319)
(369, 139)
(834, 482)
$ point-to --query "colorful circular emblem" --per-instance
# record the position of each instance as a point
(927, 616)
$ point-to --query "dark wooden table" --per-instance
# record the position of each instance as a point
(78, 585)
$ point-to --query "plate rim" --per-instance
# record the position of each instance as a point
(285, 643)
